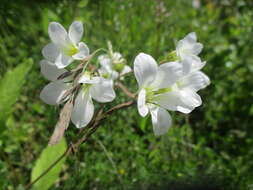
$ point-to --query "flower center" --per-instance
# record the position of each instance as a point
(71, 50)
(151, 93)
(86, 87)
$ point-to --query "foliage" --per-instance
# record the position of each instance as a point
(10, 93)
(215, 140)
(48, 157)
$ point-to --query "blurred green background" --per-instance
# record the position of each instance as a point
(211, 145)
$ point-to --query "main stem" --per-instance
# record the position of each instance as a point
(73, 146)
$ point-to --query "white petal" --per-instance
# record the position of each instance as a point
(145, 69)
(76, 31)
(141, 103)
(184, 100)
(103, 91)
(63, 61)
(50, 71)
(83, 51)
(191, 37)
(188, 46)
(126, 70)
(168, 74)
(89, 80)
(192, 63)
(191, 100)
(197, 64)
(105, 61)
(187, 64)
(53, 92)
(169, 100)
(196, 81)
(57, 34)
(197, 48)
(83, 109)
(50, 52)
(161, 120)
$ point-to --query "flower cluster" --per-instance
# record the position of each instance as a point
(172, 85)
(113, 65)
(78, 85)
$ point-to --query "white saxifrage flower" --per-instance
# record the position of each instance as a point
(65, 46)
(97, 88)
(54, 93)
(189, 47)
(113, 65)
(170, 86)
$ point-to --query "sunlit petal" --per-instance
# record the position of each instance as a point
(168, 74)
(103, 91)
(58, 34)
(63, 61)
(145, 69)
(83, 51)
(196, 81)
(76, 32)
(50, 52)
(52, 93)
(141, 103)
(83, 109)
(161, 120)
(50, 71)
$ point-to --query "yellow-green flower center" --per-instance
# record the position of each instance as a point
(85, 87)
(71, 50)
(152, 94)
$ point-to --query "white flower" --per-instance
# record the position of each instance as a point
(98, 88)
(113, 66)
(171, 86)
(188, 46)
(65, 47)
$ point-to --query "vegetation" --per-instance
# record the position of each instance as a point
(212, 145)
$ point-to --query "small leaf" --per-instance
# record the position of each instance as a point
(10, 87)
(48, 156)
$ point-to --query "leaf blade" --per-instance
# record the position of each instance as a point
(10, 88)
(48, 156)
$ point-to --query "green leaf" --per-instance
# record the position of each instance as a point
(48, 156)
(10, 87)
